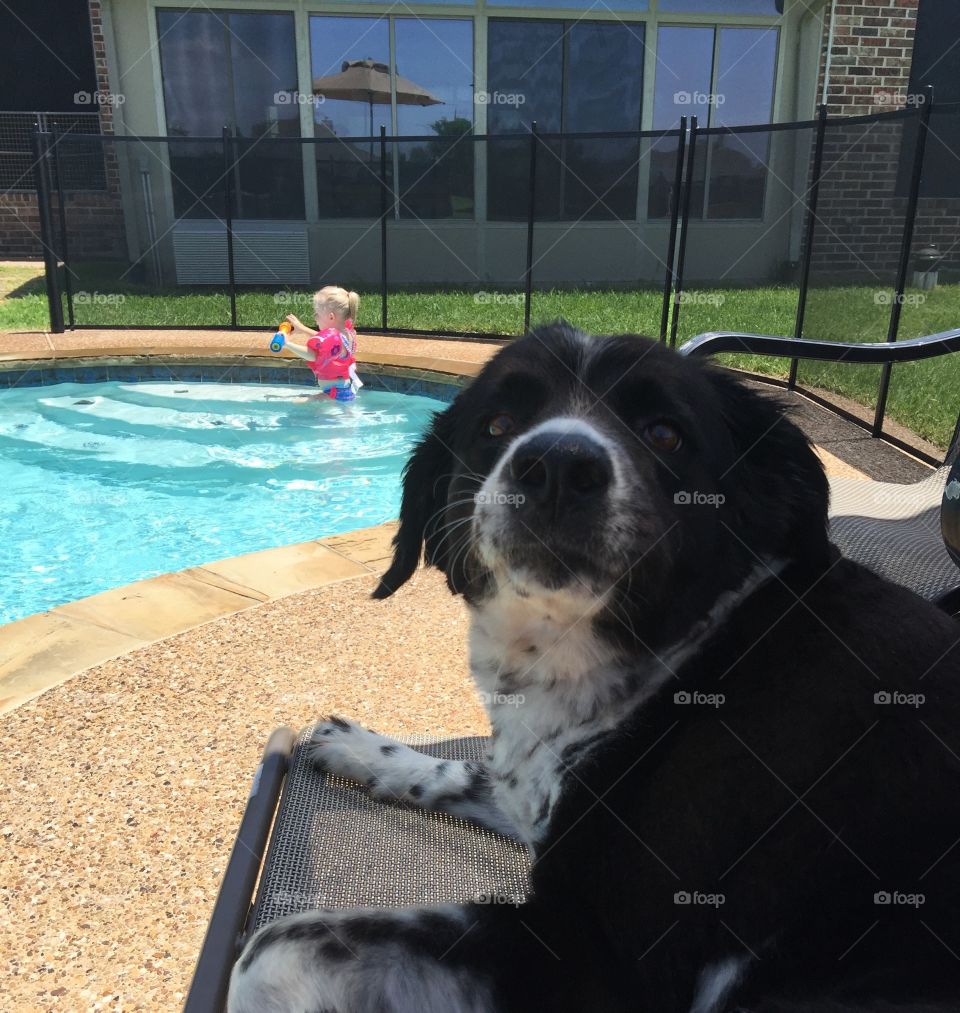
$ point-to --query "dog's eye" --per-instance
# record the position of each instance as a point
(500, 425)
(663, 436)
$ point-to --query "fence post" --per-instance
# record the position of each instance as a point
(808, 247)
(64, 244)
(531, 217)
(672, 241)
(51, 267)
(906, 247)
(384, 211)
(227, 141)
(684, 220)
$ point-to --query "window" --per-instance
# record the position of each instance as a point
(435, 178)
(724, 77)
(570, 77)
(239, 70)
(737, 163)
(634, 6)
(348, 169)
(769, 7)
(684, 73)
(429, 91)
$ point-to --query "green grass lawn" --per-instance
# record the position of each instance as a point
(23, 298)
(925, 397)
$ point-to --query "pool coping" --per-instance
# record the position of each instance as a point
(47, 648)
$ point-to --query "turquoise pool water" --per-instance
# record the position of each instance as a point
(106, 483)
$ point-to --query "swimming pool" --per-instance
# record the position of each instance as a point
(106, 483)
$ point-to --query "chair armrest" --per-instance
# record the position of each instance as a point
(912, 350)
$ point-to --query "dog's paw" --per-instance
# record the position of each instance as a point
(349, 750)
(390, 769)
(393, 771)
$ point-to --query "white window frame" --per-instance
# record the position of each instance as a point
(480, 12)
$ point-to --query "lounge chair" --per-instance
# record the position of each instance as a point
(910, 533)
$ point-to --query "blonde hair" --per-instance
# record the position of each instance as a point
(345, 304)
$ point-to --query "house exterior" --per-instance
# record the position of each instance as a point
(308, 211)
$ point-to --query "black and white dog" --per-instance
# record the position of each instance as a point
(734, 754)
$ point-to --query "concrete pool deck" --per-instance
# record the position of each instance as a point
(433, 354)
(127, 771)
(123, 787)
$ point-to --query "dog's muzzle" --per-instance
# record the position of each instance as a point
(546, 510)
(550, 474)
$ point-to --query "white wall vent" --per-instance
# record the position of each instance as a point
(264, 253)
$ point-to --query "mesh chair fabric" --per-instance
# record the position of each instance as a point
(333, 846)
(895, 531)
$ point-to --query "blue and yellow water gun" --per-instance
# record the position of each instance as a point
(280, 338)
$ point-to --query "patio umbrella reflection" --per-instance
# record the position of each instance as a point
(369, 81)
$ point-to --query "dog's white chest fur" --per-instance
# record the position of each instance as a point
(548, 683)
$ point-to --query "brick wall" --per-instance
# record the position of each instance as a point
(870, 59)
(94, 218)
(863, 192)
(19, 226)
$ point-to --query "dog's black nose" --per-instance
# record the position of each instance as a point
(550, 468)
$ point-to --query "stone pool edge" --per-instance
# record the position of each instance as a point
(46, 649)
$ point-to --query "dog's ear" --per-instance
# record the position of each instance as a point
(776, 480)
(426, 479)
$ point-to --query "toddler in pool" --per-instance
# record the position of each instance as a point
(331, 349)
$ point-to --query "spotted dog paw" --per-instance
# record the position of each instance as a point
(394, 771)
(388, 768)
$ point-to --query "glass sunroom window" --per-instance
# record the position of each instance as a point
(435, 177)
(768, 7)
(683, 82)
(348, 168)
(725, 76)
(429, 91)
(746, 69)
(569, 77)
(633, 6)
(235, 69)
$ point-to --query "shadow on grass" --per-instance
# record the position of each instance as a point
(32, 287)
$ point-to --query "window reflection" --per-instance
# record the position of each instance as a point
(583, 77)
(732, 89)
(334, 44)
(239, 70)
(634, 6)
(348, 171)
(435, 177)
(524, 75)
(746, 61)
(684, 77)
(431, 91)
(769, 7)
